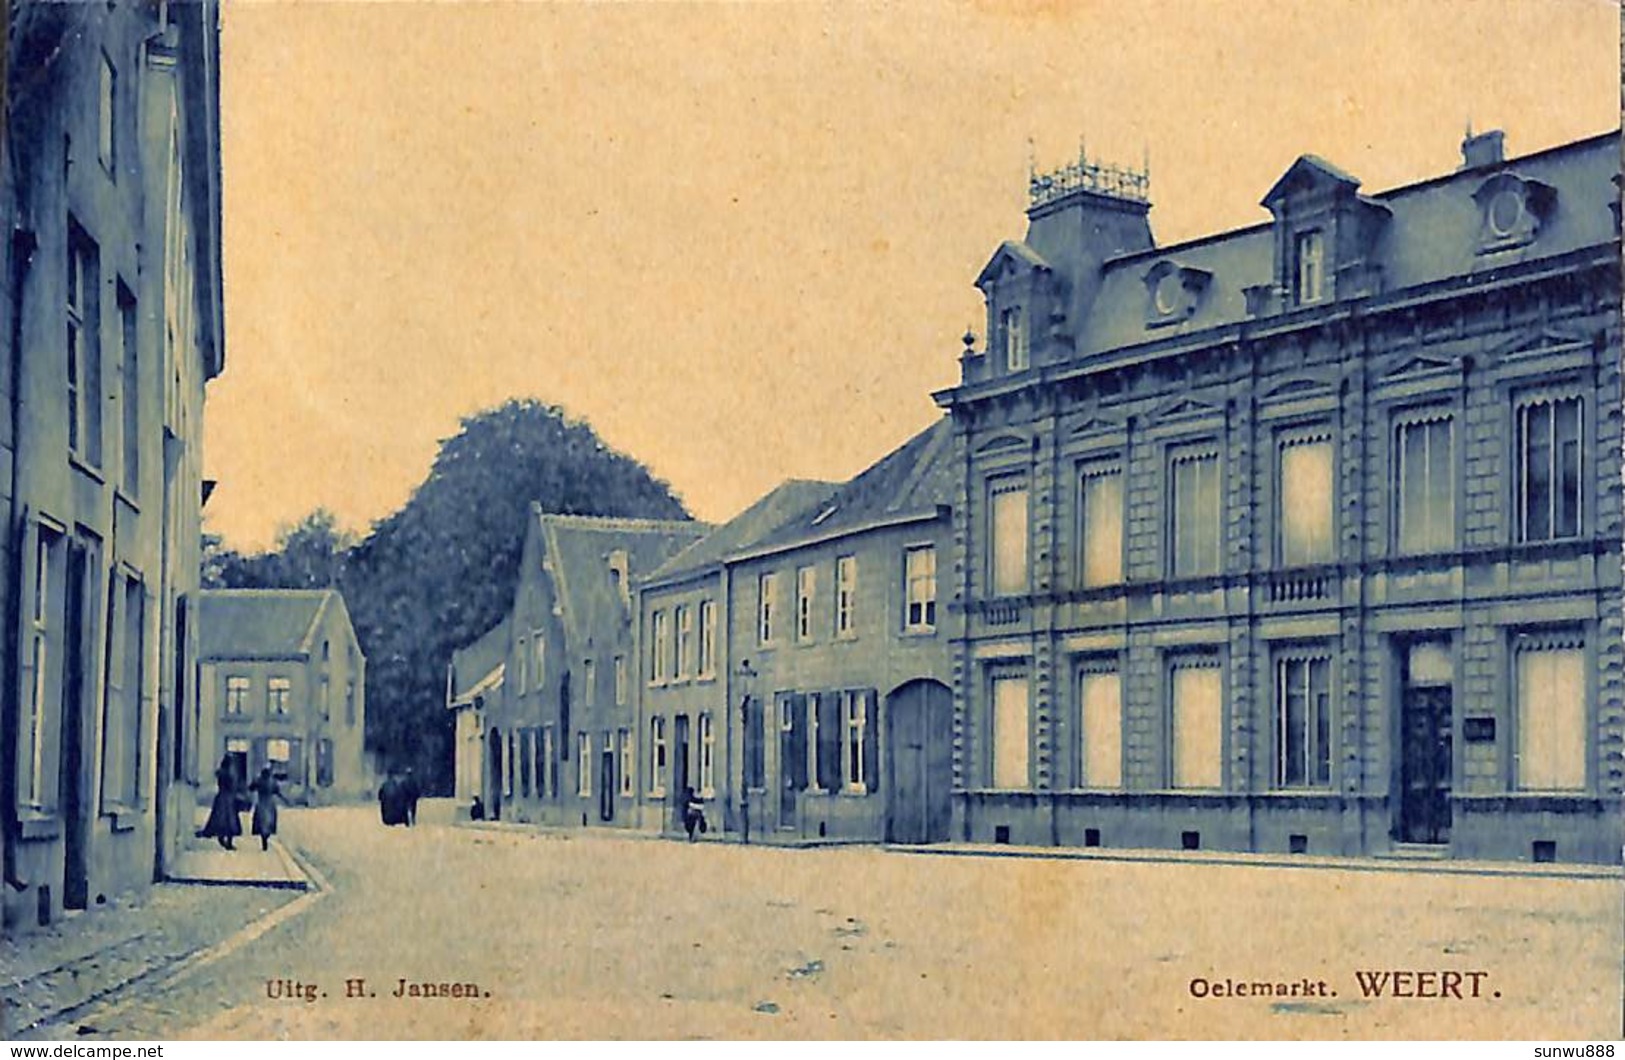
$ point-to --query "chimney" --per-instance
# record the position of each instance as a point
(1482, 149)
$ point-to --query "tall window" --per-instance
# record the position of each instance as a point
(1547, 469)
(130, 391)
(708, 638)
(1425, 487)
(660, 647)
(629, 761)
(324, 697)
(755, 744)
(324, 763)
(236, 695)
(685, 641)
(524, 666)
(121, 706)
(920, 589)
(1193, 516)
(526, 762)
(1196, 735)
(1014, 325)
(1310, 254)
(584, 764)
(806, 592)
(846, 593)
(84, 347)
(107, 117)
(657, 756)
(767, 590)
(857, 767)
(1303, 722)
(1551, 713)
(547, 777)
(589, 681)
(1100, 504)
(1007, 537)
(42, 665)
(708, 756)
(538, 667)
(349, 701)
(620, 680)
(278, 691)
(1010, 751)
(1100, 700)
(1305, 504)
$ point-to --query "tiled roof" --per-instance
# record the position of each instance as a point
(915, 478)
(259, 623)
(472, 664)
(578, 549)
(783, 504)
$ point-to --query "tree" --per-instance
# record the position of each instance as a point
(442, 570)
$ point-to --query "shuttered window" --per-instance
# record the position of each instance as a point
(1195, 725)
(1306, 500)
(1100, 698)
(1551, 713)
(1010, 728)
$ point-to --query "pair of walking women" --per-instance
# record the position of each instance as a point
(224, 825)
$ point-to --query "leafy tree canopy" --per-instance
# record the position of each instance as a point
(442, 570)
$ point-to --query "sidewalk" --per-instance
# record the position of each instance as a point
(1436, 867)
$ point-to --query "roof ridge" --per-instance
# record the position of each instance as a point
(621, 522)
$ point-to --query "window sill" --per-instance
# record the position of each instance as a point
(922, 631)
(123, 818)
(657, 793)
(33, 824)
(705, 679)
(846, 638)
(850, 792)
(89, 470)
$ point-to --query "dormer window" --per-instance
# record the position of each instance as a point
(1173, 292)
(1310, 267)
(1511, 211)
(1013, 323)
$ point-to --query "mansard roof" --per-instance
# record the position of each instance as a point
(1432, 235)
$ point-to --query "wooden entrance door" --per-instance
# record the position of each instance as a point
(1426, 762)
(493, 796)
(792, 756)
(73, 791)
(919, 749)
(679, 768)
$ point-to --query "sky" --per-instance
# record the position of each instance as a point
(741, 239)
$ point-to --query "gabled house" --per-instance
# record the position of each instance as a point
(475, 679)
(282, 683)
(113, 324)
(561, 741)
(685, 671)
(840, 637)
(1303, 537)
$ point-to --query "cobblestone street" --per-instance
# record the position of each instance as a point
(593, 936)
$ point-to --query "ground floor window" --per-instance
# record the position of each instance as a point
(1195, 724)
(285, 757)
(324, 763)
(584, 764)
(1011, 755)
(629, 761)
(1100, 698)
(526, 761)
(708, 756)
(657, 756)
(1551, 691)
(755, 745)
(549, 766)
(1303, 723)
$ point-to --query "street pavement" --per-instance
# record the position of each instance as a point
(575, 935)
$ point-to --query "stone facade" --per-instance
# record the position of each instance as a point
(1303, 537)
(282, 682)
(113, 326)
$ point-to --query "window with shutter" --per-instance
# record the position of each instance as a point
(1551, 703)
(871, 741)
(828, 716)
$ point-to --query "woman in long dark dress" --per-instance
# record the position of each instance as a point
(266, 792)
(223, 823)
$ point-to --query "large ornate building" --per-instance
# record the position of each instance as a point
(113, 323)
(1304, 537)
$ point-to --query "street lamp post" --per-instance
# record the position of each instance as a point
(746, 673)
